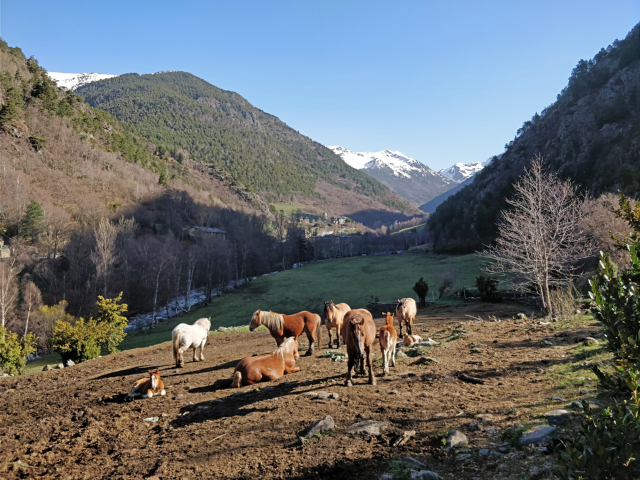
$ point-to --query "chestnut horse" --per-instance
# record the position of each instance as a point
(359, 333)
(282, 326)
(388, 338)
(148, 387)
(334, 314)
(267, 367)
(406, 312)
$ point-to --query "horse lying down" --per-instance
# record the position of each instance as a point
(267, 367)
(148, 387)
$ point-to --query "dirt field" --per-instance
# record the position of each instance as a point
(73, 423)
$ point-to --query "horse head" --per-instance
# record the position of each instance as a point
(358, 335)
(204, 323)
(389, 317)
(328, 310)
(155, 376)
(255, 321)
(400, 309)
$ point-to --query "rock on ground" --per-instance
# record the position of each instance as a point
(456, 438)
(536, 435)
(323, 425)
(556, 417)
(367, 427)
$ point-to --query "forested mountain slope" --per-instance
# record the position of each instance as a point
(221, 127)
(591, 135)
(65, 167)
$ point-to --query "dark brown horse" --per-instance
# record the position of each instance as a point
(359, 333)
(270, 367)
(283, 326)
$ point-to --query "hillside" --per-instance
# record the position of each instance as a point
(180, 110)
(404, 175)
(590, 135)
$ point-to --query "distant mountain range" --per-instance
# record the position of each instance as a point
(72, 81)
(406, 176)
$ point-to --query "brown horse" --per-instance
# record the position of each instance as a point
(359, 333)
(388, 338)
(267, 367)
(334, 314)
(282, 326)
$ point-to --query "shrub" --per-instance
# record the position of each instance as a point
(79, 342)
(617, 304)
(14, 351)
(564, 304)
(421, 288)
(110, 318)
(488, 288)
(608, 444)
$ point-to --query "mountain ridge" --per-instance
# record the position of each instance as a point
(407, 176)
(590, 135)
(224, 129)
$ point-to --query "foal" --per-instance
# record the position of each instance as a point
(388, 339)
(359, 333)
(148, 387)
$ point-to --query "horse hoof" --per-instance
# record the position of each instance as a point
(348, 383)
(373, 381)
(308, 354)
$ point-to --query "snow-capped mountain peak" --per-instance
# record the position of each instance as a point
(397, 162)
(461, 171)
(72, 81)
(404, 175)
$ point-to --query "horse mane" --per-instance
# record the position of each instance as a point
(204, 323)
(272, 320)
(285, 347)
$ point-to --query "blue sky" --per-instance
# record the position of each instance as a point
(441, 81)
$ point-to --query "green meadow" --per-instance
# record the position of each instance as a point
(352, 280)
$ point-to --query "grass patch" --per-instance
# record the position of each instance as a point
(39, 363)
(417, 229)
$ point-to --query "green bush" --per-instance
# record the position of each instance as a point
(618, 303)
(110, 318)
(14, 351)
(488, 288)
(608, 444)
(79, 342)
(421, 288)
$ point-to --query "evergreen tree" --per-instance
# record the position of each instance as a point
(33, 223)
(109, 314)
(163, 180)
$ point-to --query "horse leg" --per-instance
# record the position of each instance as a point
(372, 379)
(385, 361)
(330, 341)
(338, 335)
(392, 354)
(311, 342)
(362, 365)
(349, 367)
(181, 351)
(409, 329)
(204, 342)
(400, 322)
(195, 349)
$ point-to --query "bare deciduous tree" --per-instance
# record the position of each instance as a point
(540, 239)
(8, 288)
(31, 299)
(104, 253)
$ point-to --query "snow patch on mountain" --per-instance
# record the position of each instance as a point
(397, 162)
(72, 81)
(462, 171)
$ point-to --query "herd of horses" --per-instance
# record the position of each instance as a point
(354, 327)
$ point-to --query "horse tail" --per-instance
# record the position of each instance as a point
(318, 333)
(237, 380)
(176, 345)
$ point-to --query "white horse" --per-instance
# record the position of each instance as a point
(406, 312)
(190, 336)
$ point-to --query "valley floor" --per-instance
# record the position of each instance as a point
(73, 423)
